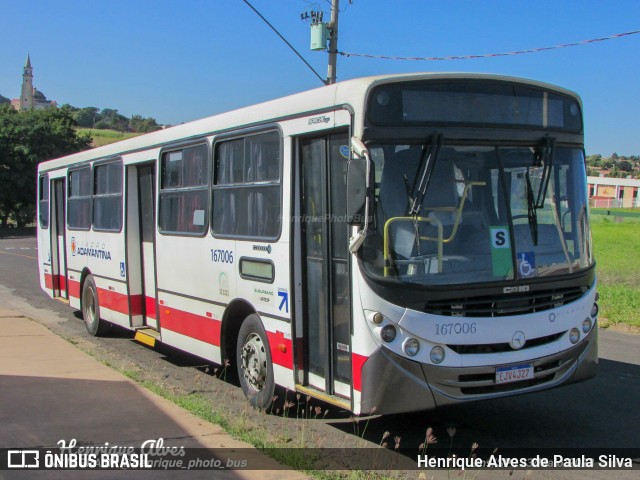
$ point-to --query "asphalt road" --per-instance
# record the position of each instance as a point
(600, 413)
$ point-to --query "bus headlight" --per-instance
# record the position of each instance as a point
(437, 354)
(411, 347)
(586, 325)
(388, 333)
(594, 310)
(574, 335)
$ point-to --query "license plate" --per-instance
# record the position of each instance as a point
(514, 373)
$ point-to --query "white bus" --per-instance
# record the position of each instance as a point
(386, 244)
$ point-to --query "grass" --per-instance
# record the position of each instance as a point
(628, 213)
(617, 252)
(105, 137)
(292, 452)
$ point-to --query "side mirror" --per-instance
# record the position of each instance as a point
(357, 170)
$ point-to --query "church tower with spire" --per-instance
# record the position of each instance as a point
(26, 98)
(31, 98)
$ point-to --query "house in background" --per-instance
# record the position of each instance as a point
(607, 192)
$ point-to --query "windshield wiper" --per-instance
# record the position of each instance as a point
(430, 152)
(531, 210)
(423, 176)
(544, 157)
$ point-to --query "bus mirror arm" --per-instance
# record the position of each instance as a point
(359, 148)
(358, 192)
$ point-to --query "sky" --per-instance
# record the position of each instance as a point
(180, 60)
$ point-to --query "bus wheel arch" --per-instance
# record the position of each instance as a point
(254, 363)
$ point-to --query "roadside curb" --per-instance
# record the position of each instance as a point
(50, 374)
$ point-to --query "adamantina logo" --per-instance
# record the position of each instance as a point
(89, 251)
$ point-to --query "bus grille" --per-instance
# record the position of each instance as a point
(543, 374)
(503, 347)
(504, 305)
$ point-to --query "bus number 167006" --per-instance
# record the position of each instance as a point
(221, 256)
(455, 328)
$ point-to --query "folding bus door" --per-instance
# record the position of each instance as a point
(58, 251)
(324, 281)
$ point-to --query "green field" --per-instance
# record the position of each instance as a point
(105, 137)
(627, 213)
(617, 251)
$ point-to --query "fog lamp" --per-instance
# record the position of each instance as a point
(574, 335)
(388, 333)
(411, 347)
(586, 325)
(437, 354)
(594, 310)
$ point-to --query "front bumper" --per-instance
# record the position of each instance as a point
(394, 384)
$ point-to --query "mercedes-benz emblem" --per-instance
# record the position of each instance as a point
(517, 341)
(552, 317)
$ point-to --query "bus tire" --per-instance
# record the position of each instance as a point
(253, 360)
(91, 309)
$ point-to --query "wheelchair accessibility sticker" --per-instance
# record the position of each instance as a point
(526, 264)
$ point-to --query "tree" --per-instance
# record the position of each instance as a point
(143, 125)
(625, 166)
(607, 164)
(26, 139)
(87, 117)
(111, 119)
(594, 160)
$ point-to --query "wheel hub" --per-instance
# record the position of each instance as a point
(254, 361)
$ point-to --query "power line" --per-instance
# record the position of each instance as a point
(285, 41)
(488, 55)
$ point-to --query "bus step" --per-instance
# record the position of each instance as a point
(332, 399)
(147, 336)
(62, 300)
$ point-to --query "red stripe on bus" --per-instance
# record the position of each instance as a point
(118, 302)
(57, 282)
(278, 343)
(135, 303)
(74, 289)
(191, 325)
(357, 362)
(150, 307)
(185, 323)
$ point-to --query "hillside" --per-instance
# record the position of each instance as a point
(105, 137)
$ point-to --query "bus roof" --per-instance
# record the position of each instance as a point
(348, 92)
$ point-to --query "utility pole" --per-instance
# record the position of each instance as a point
(333, 42)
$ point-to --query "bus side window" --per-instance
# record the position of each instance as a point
(43, 200)
(184, 188)
(79, 199)
(246, 192)
(107, 196)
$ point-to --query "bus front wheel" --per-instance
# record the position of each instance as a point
(91, 309)
(253, 359)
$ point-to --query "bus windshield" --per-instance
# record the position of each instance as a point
(489, 213)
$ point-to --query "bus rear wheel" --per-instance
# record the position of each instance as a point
(253, 360)
(91, 309)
